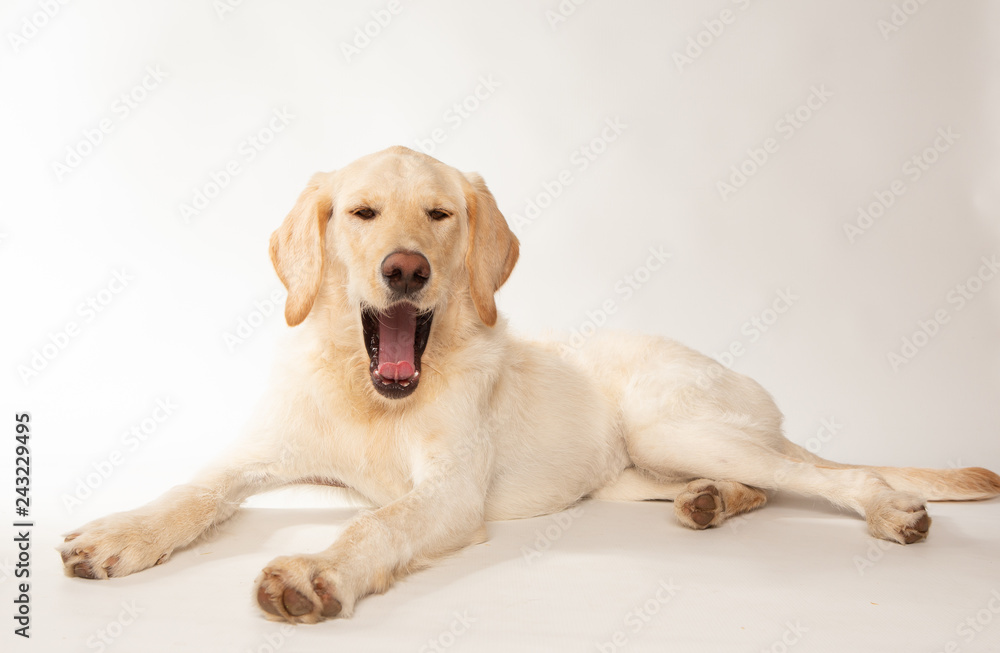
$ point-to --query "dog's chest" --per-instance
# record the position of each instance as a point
(375, 458)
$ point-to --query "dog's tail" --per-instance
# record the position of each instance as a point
(965, 484)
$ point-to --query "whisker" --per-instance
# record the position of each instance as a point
(428, 365)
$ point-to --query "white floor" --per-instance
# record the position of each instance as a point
(797, 576)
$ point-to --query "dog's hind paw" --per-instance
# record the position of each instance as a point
(700, 505)
(898, 517)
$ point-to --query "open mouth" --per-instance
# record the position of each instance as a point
(395, 340)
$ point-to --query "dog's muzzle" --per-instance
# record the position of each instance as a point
(395, 340)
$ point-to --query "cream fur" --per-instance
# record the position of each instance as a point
(499, 427)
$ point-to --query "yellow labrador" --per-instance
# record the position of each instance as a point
(402, 383)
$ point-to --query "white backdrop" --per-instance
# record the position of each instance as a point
(822, 175)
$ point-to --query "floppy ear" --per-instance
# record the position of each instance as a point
(297, 247)
(493, 248)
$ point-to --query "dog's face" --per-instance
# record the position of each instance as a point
(405, 235)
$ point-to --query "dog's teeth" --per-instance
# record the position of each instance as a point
(405, 384)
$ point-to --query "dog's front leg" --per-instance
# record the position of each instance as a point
(443, 513)
(127, 542)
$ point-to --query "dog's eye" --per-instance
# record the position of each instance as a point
(438, 214)
(364, 212)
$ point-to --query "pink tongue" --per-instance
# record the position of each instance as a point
(396, 332)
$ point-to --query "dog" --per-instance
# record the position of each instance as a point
(401, 382)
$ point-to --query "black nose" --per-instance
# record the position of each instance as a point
(406, 272)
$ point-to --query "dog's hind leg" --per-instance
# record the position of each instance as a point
(956, 484)
(698, 503)
(705, 503)
(722, 451)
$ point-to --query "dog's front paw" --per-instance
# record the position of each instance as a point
(117, 545)
(898, 517)
(301, 589)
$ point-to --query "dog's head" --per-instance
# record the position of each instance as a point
(405, 235)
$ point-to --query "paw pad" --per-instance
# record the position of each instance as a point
(918, 531)
(700, 505)
(280, 596)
